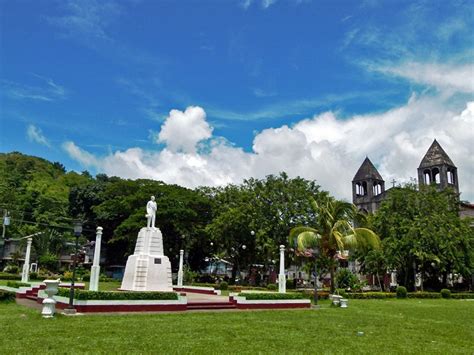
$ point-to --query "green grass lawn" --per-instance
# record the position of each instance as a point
(389, 326)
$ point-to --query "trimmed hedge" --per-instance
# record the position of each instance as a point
(7, 276)
(429, 295)
(424, 295)
(370, 295)
(272, 287)
(272, 296)
(117, 295)
(322, 295)
(462, 295)
(7, 296)
(16, 284)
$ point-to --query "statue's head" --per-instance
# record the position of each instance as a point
(153, 198)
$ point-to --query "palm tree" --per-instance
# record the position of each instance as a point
(333, 231)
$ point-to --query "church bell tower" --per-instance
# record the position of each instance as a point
(368, 187)
(437, 168)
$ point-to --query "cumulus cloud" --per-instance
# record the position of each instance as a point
(324, 147)
(182, 131)
(36, 135)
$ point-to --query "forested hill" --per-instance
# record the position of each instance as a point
(40, 195)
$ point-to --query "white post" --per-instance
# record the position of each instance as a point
(393, 278)
(26, 265)
(95, 269)
(180, 270)
(281, 276)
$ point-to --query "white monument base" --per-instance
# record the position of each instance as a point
(148, 269)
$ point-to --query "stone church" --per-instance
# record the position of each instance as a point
(368, 186)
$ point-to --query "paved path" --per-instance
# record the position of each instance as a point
(200, 297)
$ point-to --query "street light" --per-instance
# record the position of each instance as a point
(315, 254)
(77, 234)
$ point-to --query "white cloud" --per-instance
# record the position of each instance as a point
(80, 155)
(87, 20)
(182, 131)
(324, 148)
(265, 4)
(39, 92)
(458, 78)
(36, 135)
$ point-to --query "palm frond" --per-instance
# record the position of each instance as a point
(308, 240)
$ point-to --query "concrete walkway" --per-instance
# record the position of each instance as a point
(200, 297)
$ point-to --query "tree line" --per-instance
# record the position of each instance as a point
(420, 230)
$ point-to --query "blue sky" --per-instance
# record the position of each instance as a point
(310, 87)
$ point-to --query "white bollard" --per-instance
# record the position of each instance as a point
(95, 269)
(26, 265)
(282, 276)
(180, 270)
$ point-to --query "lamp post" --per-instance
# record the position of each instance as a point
(77, 233)
(237, 256)
(315, 254)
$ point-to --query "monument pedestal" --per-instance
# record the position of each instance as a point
(148, 269)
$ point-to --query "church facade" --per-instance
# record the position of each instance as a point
(368, 186)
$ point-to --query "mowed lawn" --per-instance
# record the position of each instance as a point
(389, 326)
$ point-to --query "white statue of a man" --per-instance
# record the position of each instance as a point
(151, 212)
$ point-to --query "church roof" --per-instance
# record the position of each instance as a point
(367, 171)
(435, 156)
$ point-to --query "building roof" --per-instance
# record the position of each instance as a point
(367, 171)
(435, 156)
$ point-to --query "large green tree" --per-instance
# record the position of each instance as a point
(422, 233)
(259, 214)
(331, 231)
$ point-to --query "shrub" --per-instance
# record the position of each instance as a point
(67, 276)
(12, 269)
(113, 295)
(346, 279)
(290, 284)
(104, 278)
(401, 292)
(33, 276)
(16, 284)
(445, 293)
(87, 276)
(7, 296)
(7, 276)
(272, 287)
(272, 296)
(223, 285)
(49, 261)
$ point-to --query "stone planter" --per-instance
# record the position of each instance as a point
(49, 303)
